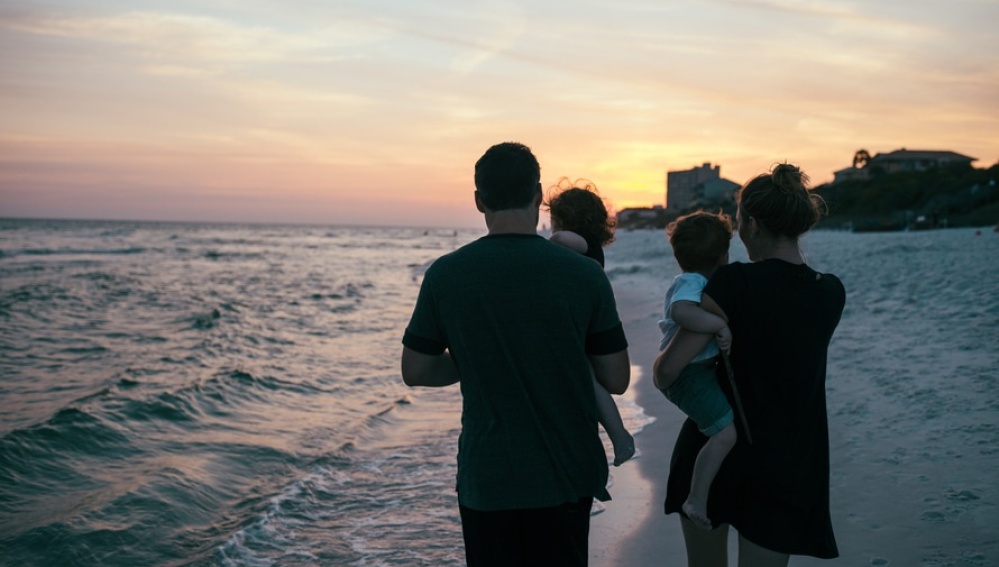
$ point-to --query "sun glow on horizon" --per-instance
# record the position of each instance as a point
(376, 114)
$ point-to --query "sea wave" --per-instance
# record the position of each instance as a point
(12, 253)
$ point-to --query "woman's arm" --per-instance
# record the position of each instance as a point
(683, 347)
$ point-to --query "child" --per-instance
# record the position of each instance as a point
(700, 244)
(580, 222)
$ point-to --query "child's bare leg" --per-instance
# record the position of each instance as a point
(709, 460)
(610, 418)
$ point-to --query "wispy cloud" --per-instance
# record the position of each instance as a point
(163, 36)
(385, 93)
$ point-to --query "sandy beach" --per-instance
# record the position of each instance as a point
(912, 405)
(632, 529)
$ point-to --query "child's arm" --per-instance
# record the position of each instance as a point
(693, 317)
(570, 240)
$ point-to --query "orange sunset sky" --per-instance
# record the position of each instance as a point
(374, 111)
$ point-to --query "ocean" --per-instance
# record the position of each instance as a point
(229, 395)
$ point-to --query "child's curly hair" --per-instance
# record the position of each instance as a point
(699, 239)
(576, 206)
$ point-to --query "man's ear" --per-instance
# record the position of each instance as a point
(539, 196)
(478, 203)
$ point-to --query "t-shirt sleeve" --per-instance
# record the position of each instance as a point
(424, 334)
(606, 334)
(687, 287)
(607, 342)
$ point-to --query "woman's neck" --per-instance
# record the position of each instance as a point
(778, 249)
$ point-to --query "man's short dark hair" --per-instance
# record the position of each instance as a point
(507, 176)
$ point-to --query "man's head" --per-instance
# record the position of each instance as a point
(507, 176)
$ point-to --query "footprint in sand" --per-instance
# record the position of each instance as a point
(975, 558)
(933, 516)
(962, 496)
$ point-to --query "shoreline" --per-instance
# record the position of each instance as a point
(632, 529)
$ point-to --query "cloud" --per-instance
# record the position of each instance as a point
(163, 37)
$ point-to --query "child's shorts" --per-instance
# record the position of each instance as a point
(697, 394)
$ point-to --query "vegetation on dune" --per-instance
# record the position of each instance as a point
(946, 196)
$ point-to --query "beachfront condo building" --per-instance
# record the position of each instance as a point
(698, 186)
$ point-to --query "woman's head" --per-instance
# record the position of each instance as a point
(780, 202)
(576, 206)
(700, 240)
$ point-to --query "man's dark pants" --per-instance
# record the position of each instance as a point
(543, 537)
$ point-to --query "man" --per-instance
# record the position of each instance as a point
(520, 322)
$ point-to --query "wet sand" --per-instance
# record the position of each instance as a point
(913, 425)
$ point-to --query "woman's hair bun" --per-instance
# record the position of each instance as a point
(789, 178)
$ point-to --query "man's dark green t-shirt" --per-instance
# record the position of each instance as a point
(519, 316)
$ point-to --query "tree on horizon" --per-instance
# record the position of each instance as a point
(861, 158)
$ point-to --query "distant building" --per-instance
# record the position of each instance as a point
(654, 217)
(718, 190)
(917, 160)
(638, 214)
(899, 161)
(849, 174)
(698, 186)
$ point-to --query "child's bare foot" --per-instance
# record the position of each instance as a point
(624, 450)
(697, 512)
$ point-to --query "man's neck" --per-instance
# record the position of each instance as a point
(512, 221)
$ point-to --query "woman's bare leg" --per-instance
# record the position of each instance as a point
(705, 548)
(752, 555)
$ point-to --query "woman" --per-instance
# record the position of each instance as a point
(773, 489)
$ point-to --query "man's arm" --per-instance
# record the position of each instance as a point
(420, 369)
(612, 371)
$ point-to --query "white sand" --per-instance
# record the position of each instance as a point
(913, 429)
(632, 529)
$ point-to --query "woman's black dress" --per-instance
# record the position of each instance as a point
(775, 491)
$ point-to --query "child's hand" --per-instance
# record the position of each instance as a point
(724, 339)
